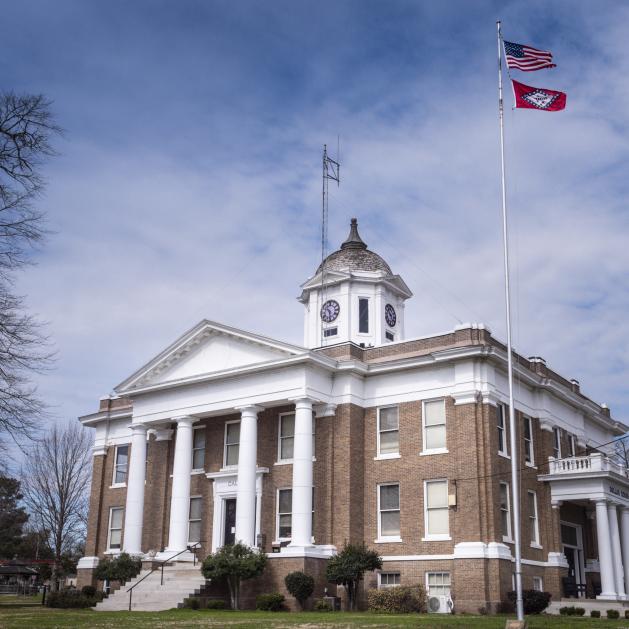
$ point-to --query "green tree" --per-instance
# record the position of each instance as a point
(122, 568)
(235, 563)
(348, 567)
(300, 585)
(12, 517)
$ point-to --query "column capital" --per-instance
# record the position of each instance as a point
(185, 420)
(599, 501)
(325, 410)
(162, 434)
(249, 409)
(138, 429)
(302, 401)
(545, 425)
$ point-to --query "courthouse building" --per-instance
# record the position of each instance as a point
(361, 435)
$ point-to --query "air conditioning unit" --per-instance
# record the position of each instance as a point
(439, 605)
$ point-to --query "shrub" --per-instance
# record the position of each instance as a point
(627, 613)
(397, 600)
(300, 585)
(595, 613)
(273, 602)
(122, 568)
(580, 611)
(191, 603)
(534, 602)
(613, 614)
(215, 604)
(68, 599)
(322, 606)
(89, 590)
(567, 611)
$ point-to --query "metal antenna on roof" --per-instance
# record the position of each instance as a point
(331, 171)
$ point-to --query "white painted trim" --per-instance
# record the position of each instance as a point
(501, 411)
(115, 465)
(506, 538)
(109, 549)
(387, 457)
(277, 515)
(87, 563)
(443, 449)
(434, 451)
(530, 463)
(391, 455)
(387, 538)
(536, 542)
(416, 557)
(225, 466)
(428, 537)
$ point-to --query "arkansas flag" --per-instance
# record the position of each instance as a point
(527, 97)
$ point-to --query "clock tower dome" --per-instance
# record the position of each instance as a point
(353, 296)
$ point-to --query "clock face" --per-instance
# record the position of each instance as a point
(330, 310)
(390, 316)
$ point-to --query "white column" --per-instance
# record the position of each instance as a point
(134, 509)
(247, 459)
(614, 534)
(302, 475)
(624, 541)
(608, 588)
(180, 498)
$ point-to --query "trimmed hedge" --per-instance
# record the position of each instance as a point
(300, 585)
(595, 613)
(397, 600)
(270, 602)
(322, 606)
(69, 599)
(215, 604)
(535, 602)
(613, 614)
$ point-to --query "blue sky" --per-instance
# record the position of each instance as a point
(188, 180)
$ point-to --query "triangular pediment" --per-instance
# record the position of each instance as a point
(209, 348)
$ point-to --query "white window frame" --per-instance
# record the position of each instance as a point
(556, 442)
(277, 515)
(538, 584)
(109, 529)
(198, 469)
(386, 586)
(529, 422)
(501, 412)
(508, 537)
(443, 450)
(572, 440)
(388, 455)
(115, 466)
(435, 572)
(534, 519)
(437, 537)
(190, 520)
(225, 466)
(368, 332)
(389, 538)
(281, 459)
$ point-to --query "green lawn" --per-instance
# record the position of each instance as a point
(13, 614)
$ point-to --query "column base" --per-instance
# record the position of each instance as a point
(322, 551)
(607, 596)
(166, 555)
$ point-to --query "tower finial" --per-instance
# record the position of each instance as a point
(353, 241)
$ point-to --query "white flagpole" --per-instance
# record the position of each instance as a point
(515, 485)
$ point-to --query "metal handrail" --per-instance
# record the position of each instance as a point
(191, 548)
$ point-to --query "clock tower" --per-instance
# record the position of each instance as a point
(354, 296)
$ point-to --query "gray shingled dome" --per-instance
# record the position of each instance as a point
(355, 256)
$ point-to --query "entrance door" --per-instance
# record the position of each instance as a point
(571, 536)
(229, 530)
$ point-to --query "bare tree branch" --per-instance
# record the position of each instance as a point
(55, 484)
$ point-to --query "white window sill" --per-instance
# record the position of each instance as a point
(229, 468)
(507, 540)
(195, 472)
(117, 485)
(388, 540)
(536, 545)
(434, 451)
(531, 465)
(113, 551)
(290, 461)
(436, 538)
(504, 455)
(384, 457)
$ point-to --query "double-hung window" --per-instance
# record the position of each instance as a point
(194, 520)
(501, 411)
(389, 511)
(538, 584)
(529, 456)
(505, 512)
(198, 449)
(232, 443)
(434, 416)
(572, 442)
(388, 580)
(533, 518)
(438, 583)
(436, 511)
(388, 432)
(114, 537)
(284, 517)
(121, 461)
(556, 442)
(286, 437)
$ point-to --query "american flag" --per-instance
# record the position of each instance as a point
(526, 58)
